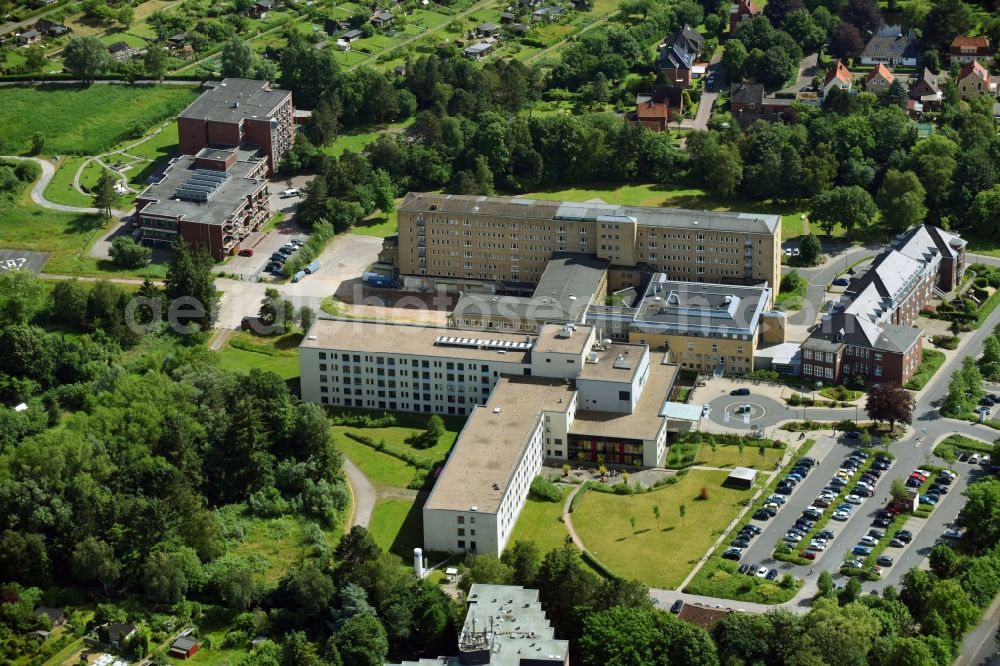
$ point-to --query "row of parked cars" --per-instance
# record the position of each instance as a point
(276, 264)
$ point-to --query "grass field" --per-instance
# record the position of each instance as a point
(60, 189)
(66, 236)
(395, 438)
(280, 355)
(87, 120)
(397, 526)
(273, 546)
(380, 468)
(539, 522)
(659, 553)
(678, 196)
(379, 225)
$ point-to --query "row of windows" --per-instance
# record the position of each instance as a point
(817, 371)
(394, 406)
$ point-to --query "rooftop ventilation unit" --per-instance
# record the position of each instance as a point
(477, 343)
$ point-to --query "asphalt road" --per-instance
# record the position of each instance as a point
(21, 259)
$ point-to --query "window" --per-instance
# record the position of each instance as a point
(878, 356)
(829, 357)
(624, 395)
(715, 348)
(829, 373)
(461, 520)
(461, 531)
(461, 544)
(807, 354)
(878, 371)
(807, 369)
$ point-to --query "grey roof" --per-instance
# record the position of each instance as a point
(505, 625)
(52, 613)
(233, 100)
(744, 473)
(351, 34)
(29, 34)
(672, 95)
(843, 328)
(691, 307)
(538, 209)
(746, 93)
(486, 27)
(382, 15)
(884, 47)
(689, 38)
(184, 643)
(220, 205)
(564, 291)
(675, 56)
(479, 47)
(220, 153)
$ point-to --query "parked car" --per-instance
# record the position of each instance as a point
(705, 411)
(841, 515)
(906, 536)
(841, 282)
(677, 606)
(732, 554)
(896, 543)
(761, 572)
(743, 568)
(881, 522)
(869, 541)
(246, 252)
(854, 434)
(777, 498)
(825, 534)
(928, 499)
(809, 555)
(290, 192)
(963, 456)
(952, 534)
(772, 574)
(751, 529)
(854, 499)
(740, 543)
(740, 391)
(877, 534)
(974, 459)
(761, 514)
(864, 551)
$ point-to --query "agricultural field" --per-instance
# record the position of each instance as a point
(659, 552)
(87, 120)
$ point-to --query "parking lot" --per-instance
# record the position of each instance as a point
(830, 454)
(22, 260)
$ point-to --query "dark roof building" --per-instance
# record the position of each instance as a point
(655, 109)
(746, 97)
(687, 37)
(234, 112)
(891, 49)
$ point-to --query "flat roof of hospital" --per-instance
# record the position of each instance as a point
(643, 423)
(591, 211)
(233, 100)
(487, 451)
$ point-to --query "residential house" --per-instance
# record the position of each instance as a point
(891, 47)
(183, 648)
(399, 70)
(352, 36)
(743, 10)
(678, 54)
(478, 50)
(178, 41)
(964, 50)
(28, 37)
(486, 30)
(381, 18)
(335, 26)
(838, 77)
(520, 28)
(879, 79)
(121, 51)
(507, 17)
(926, 91)
(547, 13)
(50, 28)
(746, 98)
(260, 8)
(973, 81)
(57, 616)
(655, 110)
(111, 636)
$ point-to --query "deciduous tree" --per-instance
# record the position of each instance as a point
(851, 207)
(86, 58)
(901, 200)
(890, 402)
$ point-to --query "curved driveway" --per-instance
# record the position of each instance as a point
(38, 189)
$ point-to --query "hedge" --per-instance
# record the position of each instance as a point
(380, 445)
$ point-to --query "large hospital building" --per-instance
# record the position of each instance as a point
(472, 243)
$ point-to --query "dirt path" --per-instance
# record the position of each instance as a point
(38, 189)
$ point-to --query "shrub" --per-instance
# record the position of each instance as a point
(945, 341)
(126, 253)
(703, 495)
(544, 490)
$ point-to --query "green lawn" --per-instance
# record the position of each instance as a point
(539, 522)
(87, 120)
(677, 196)
(930, 361)
(278, 354)
(659, 553)
(397, 526)
(379, 225)
(380, 468)
(60, 189)
(275, 545)
(395, 439)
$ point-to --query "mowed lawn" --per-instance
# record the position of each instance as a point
(380, 468)
(87, 120)
(397, 526)
(730, 456)
(539, 522)
(678, 196)
(658, 553)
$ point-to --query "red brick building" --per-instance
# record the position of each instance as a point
(744, 10)
(656, 109)
(235, 112)
(870, 333)
(964, 50)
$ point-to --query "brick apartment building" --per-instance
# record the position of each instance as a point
(496, 244)
(871, 332)
(238, 112)
(214, 193)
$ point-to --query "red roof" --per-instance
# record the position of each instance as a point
(746, 8)
(980, 44)
(881, 70)
(971, 68)
(838, 71)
